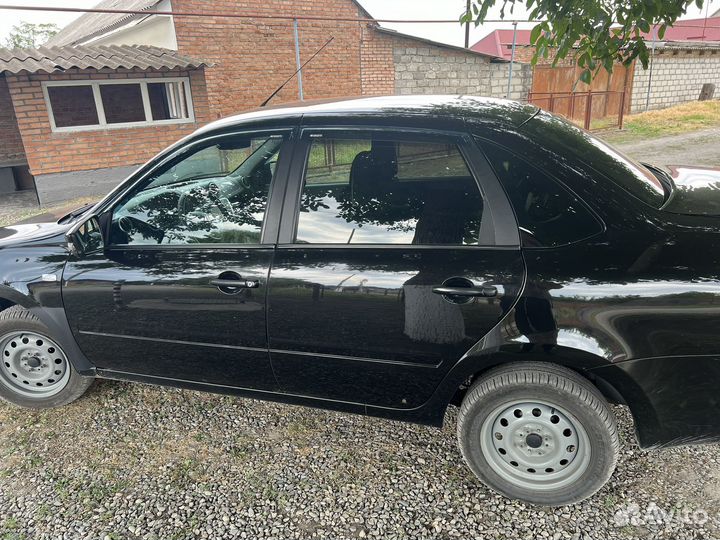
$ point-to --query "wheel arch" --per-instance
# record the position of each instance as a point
(12, 297)
(56, 321)
(614, 384)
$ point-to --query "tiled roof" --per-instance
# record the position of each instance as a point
(57, 59)
(90, 25)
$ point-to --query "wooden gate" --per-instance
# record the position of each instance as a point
(602, 103)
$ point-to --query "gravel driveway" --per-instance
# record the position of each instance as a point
(695, 148)
(134, 461)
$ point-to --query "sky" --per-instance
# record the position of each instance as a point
(451, 33)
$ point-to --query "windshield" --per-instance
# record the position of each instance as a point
(603, 158)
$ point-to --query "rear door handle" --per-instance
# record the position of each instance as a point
(484, 292)
(236, 283)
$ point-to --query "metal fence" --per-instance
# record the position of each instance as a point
(593, 110)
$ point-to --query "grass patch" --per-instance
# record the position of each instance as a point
(8, 217)
(683, 118)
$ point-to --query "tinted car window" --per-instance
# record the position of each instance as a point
(375, 190)
(216, 193)
(571, 141)
(548, 214)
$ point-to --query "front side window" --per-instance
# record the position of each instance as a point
(97, 104)
(213, 193)
(376, 190)
(548, 214)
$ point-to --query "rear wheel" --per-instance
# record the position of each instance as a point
(34, 369)
(539, 433)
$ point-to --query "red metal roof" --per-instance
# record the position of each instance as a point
(499, 42)
(691, 30)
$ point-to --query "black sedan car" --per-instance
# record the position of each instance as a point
(391, 257)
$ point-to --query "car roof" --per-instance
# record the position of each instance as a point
(458, 107)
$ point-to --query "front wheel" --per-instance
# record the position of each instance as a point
(539, 433)
(35, 371)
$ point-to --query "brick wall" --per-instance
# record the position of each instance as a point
(253, 57)
(11, 149)
(524, 54)
(48, 152)
(677, 77)
(377, 63)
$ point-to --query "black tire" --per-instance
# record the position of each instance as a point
(17, 319)
(573, 399)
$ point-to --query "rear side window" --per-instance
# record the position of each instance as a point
(547, 213)
(376, 190)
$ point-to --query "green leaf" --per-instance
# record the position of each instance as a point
(586, 76)
(535, 33)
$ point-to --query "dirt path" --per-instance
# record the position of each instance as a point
(695, 148)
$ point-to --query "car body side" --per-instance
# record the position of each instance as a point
(635, 307)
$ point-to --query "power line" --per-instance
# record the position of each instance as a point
(239, 15)
(264, 16)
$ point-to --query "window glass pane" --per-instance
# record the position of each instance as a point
(585, 147)
(168, 100)
(213, 194)
(122, 103)
(419, 160)
(379, 191)
(73, 105)
(547, 213)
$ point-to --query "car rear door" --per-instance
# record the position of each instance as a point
(398, 252)
(179, 290)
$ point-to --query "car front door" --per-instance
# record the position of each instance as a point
(179, 290)
(398, 252)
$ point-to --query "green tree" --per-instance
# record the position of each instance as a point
(596, 33)
(28, 34)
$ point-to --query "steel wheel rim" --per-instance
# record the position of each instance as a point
(32, 365)
(535, 445)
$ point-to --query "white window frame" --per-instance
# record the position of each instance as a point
(102, 122)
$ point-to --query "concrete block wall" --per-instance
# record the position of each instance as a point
(421, 69)
(677, 77)
(522, 76)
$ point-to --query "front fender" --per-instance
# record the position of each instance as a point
(30, 276)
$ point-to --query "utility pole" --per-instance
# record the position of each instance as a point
(512, 59)
(467, 26)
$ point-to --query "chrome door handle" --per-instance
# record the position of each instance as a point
(484, 292)
(236, 283)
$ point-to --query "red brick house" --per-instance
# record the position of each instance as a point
(111, 90)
